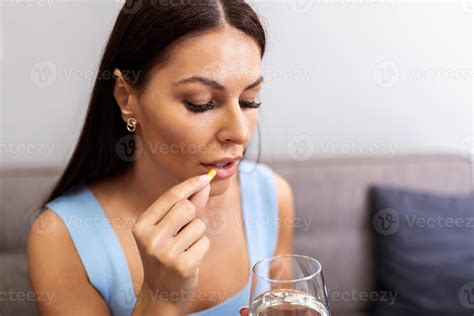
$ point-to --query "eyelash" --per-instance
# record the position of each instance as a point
(199, 108)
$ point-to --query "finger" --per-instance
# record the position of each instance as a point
(199, 199)
(163, 204)
(182, 213)
(189, 235)
(197, 251)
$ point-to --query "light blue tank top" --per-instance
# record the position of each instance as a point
(104, 259)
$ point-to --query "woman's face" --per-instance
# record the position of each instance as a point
(220, 68)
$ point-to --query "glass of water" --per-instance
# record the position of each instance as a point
(288, 285)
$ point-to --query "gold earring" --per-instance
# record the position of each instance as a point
(131, 124)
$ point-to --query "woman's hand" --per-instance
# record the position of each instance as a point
(172, 244)
(244, 311)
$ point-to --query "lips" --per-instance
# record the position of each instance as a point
(223, 161)
(220, 164)
(225, 167)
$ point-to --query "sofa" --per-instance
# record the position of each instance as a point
(332, 220)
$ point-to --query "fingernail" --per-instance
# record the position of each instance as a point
(204, 178)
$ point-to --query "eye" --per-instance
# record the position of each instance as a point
(250, 104)
(200, 108)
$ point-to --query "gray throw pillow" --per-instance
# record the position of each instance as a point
(424, 248)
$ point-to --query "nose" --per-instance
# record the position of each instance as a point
(234, 126)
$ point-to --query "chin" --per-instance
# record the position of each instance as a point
(219, 186)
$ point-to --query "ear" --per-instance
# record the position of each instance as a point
(123, 94)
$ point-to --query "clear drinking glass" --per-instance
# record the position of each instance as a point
(288, 285)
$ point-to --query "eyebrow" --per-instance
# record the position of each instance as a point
(214, 84)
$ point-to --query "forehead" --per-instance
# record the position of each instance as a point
(223, 54)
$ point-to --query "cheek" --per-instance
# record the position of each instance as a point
(170, 124)
(252, 119)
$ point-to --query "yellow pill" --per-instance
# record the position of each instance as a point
(212, 173)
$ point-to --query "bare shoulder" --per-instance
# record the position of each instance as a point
(284, 191)
(286, 214)
(56, 271)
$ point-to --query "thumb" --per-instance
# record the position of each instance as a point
(244, 311)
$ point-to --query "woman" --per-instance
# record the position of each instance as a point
(135, 226)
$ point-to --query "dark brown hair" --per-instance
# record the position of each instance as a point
(141, 40)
